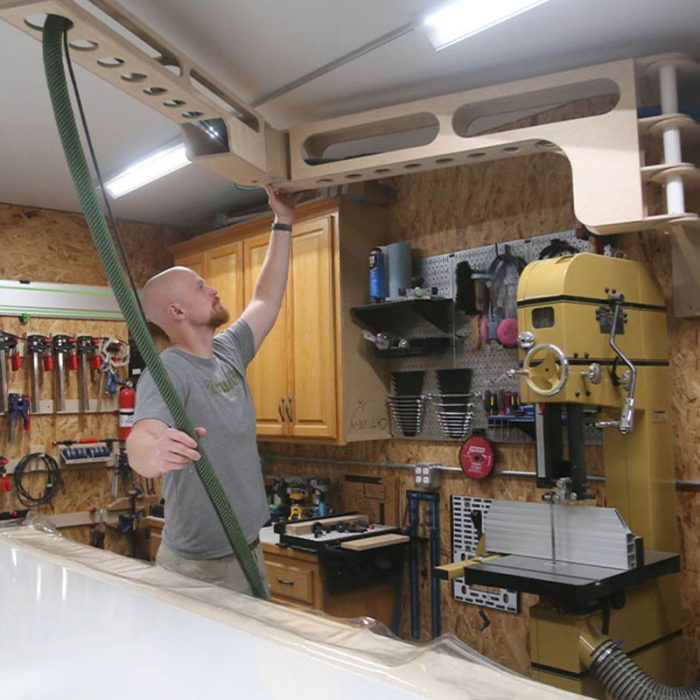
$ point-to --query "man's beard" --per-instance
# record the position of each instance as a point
(219, 316)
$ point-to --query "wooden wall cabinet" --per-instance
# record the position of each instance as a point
(293, 376)
(194, 261)
(314, 378)
(223, 270)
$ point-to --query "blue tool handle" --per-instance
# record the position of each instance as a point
(413, 586)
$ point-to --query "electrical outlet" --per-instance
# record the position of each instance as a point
(427, 475)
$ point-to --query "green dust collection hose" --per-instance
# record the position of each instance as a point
(54, 29)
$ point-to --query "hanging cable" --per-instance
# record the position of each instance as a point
(54, 481)
(54, 29)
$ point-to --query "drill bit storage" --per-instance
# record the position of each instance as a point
(97, 453)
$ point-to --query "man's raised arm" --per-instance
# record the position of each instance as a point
(261, 313)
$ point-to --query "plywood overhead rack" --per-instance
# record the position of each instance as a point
(605, 150)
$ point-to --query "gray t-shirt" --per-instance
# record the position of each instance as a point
(216, 396)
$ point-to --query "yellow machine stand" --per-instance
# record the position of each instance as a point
(567, 310)
(649, 627)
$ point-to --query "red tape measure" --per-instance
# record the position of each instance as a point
(476, 457)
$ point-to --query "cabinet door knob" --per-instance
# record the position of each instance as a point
(280, 407)
(284, 581)
(289, 409)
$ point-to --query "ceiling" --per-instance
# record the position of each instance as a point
(255, 48)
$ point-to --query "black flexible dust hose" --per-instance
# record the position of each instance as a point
(54, 28)
(624, 680)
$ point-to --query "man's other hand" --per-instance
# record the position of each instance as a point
(175, 449)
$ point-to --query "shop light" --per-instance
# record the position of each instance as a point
(458, 20)
(147, 170)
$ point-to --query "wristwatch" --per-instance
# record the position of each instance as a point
(277, 226)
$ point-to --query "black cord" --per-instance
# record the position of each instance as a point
(83, 120)
(54, 481)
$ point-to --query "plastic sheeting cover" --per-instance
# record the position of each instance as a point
(78, 618)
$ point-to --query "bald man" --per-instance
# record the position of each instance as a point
(208, 372)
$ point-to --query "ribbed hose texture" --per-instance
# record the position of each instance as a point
(54, 29)
(624, 680)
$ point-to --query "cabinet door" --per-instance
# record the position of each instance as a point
(267, 373)
(224, 272)
(195, 261)
(312, 401)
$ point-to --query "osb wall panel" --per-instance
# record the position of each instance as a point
(471, 206)
(442, 211)
(53, 246)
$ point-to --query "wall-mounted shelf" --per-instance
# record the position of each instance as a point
(391, 316)
(416, 347)
(96, 461)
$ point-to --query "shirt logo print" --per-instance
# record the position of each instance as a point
(232, 380)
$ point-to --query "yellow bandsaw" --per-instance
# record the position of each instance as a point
(593, 352)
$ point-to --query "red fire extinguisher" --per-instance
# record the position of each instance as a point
(127, 404)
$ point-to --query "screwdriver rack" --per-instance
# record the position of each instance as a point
(95, 453)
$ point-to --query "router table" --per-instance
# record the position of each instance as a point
(335, 571)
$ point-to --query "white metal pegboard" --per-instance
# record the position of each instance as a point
(465, 541)
(491, 361)
(437, 271)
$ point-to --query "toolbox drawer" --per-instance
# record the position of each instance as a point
(294, 582)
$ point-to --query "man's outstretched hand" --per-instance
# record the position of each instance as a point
(282, 203)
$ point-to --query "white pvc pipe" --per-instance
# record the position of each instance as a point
(669, 89)
(675, 195)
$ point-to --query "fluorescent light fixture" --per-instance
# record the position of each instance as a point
(147, 170)
(458, 20)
